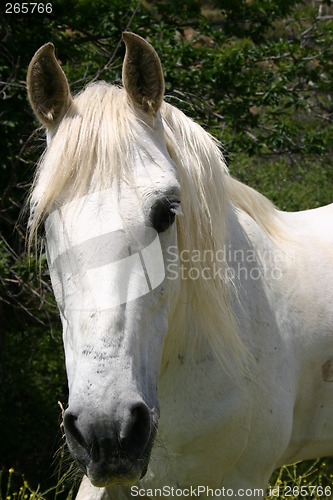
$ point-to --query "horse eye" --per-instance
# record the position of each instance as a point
(163, 213)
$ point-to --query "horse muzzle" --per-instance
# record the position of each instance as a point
(112, 451)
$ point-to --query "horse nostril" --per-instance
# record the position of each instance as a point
(136, 434)
(73, 434)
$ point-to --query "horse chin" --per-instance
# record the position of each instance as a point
(124, 472)
(126, 475)
(104, 482)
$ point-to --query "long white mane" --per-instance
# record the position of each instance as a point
(92, 149)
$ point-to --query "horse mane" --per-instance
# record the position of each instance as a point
(93, 149)
(207, 193)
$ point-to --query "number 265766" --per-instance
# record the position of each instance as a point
(28, 8)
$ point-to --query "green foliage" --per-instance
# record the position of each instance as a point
(255, 73)
(252, 19)
(15, 487)
(310, 479)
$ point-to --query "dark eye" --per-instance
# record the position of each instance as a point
(163, 212)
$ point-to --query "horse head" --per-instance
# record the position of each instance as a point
(107, 240)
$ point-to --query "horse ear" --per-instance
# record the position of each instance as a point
(142, 74)
(48, 88)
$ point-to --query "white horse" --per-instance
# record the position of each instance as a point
(197, 318)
